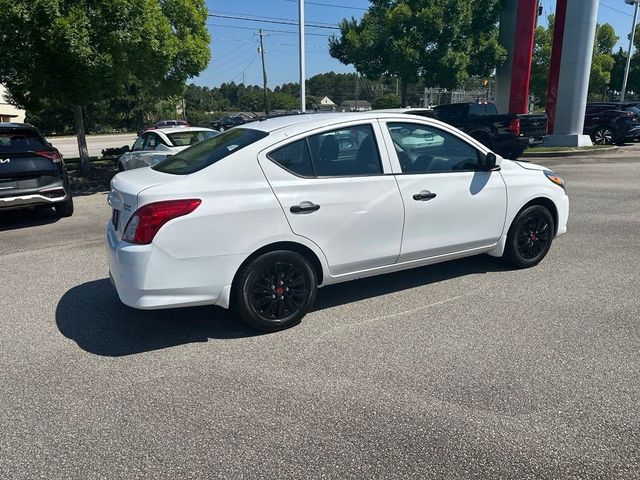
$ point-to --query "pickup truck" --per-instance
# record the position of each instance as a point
(508, 135)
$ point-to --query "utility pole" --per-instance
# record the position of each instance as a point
(355, 107)
(264, 76)
(303, 103)
(633, 32)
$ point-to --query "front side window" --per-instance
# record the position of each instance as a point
(346, 152)
(139, 143)
(208, 152)
(425, 149)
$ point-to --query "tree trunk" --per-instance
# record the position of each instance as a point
(85, 166)
(403, 93)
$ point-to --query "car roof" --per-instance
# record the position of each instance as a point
(301, 123)
(14, 125)
(178, 129)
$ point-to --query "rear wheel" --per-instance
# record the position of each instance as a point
(275, 290)
(603, 136)
(64, 209)
(529, 237)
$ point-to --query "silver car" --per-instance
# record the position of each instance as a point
(154, 146)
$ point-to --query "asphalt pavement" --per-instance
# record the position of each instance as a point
(68, 146)
(461, 370)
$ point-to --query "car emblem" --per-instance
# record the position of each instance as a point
(5, 160)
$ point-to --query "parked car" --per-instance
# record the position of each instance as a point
(32, 172)
(227, 122)
(507, 134)
(154, 146)
(614, 122)
(261, 216)
(165, 124)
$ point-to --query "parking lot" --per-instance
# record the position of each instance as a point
(464, 369)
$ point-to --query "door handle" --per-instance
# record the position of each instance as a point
(424, 195)
(305, 207)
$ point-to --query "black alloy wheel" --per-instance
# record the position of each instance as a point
(530, 237)
(603, 136)
(275, 290)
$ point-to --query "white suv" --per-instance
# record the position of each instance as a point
(260, 216)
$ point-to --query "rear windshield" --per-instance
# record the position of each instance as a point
(185, 139)
(210, 151)
(16, 141)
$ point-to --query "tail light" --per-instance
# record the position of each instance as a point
(514, 126)
(52, 155)
(147, 220)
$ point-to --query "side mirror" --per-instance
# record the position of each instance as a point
(490, 161)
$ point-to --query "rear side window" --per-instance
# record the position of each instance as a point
(295, 158)
(210, 151)
(345, 152)
(16, 141)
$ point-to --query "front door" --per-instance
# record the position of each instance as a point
(333, 190)
(451, 205)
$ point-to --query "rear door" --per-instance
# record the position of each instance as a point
(335, 189)
(22, 169)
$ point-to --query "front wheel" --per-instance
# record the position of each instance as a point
(529, 237)
(275, 290)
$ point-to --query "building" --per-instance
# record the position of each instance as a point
(327, 105)
(9, 113)
(355, 106)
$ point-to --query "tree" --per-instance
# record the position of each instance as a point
(603, 60)
(77, 53)
(441, 41)
(386, 101)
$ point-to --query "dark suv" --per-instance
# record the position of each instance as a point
(614, 122)
(32, 172)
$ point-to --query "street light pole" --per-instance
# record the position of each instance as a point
(303, 107)
(633, 32)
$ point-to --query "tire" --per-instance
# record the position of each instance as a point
(530, 237)
(603, 136)
(275, 290)
(64, 209)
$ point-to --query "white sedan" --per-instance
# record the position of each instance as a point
(154, 146)
(261, 216)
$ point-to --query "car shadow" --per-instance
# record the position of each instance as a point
(27, 217)
(91, 314)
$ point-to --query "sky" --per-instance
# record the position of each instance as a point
(234, 42)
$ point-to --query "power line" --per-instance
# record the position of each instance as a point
(259, 18)
(616, 10)
(290, 32)
(328, 5)
(279, 22)
(247, 66)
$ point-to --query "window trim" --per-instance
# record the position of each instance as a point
(393, 154)
(305, 136)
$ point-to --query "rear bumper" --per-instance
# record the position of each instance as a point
(148, 278)
(55, 192)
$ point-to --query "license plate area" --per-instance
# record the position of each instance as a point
(115, 219)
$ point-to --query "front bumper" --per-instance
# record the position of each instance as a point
(148, 278)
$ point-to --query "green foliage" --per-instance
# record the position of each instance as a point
(74, 52)
(440, 41)
(387, 101)
(543, 40)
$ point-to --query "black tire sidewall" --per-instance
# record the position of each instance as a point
(511, 251)
(242, 301)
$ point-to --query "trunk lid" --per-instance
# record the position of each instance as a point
(125, 189)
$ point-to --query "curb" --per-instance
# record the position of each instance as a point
(570, 153)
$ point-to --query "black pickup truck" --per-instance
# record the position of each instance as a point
(508, 135)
